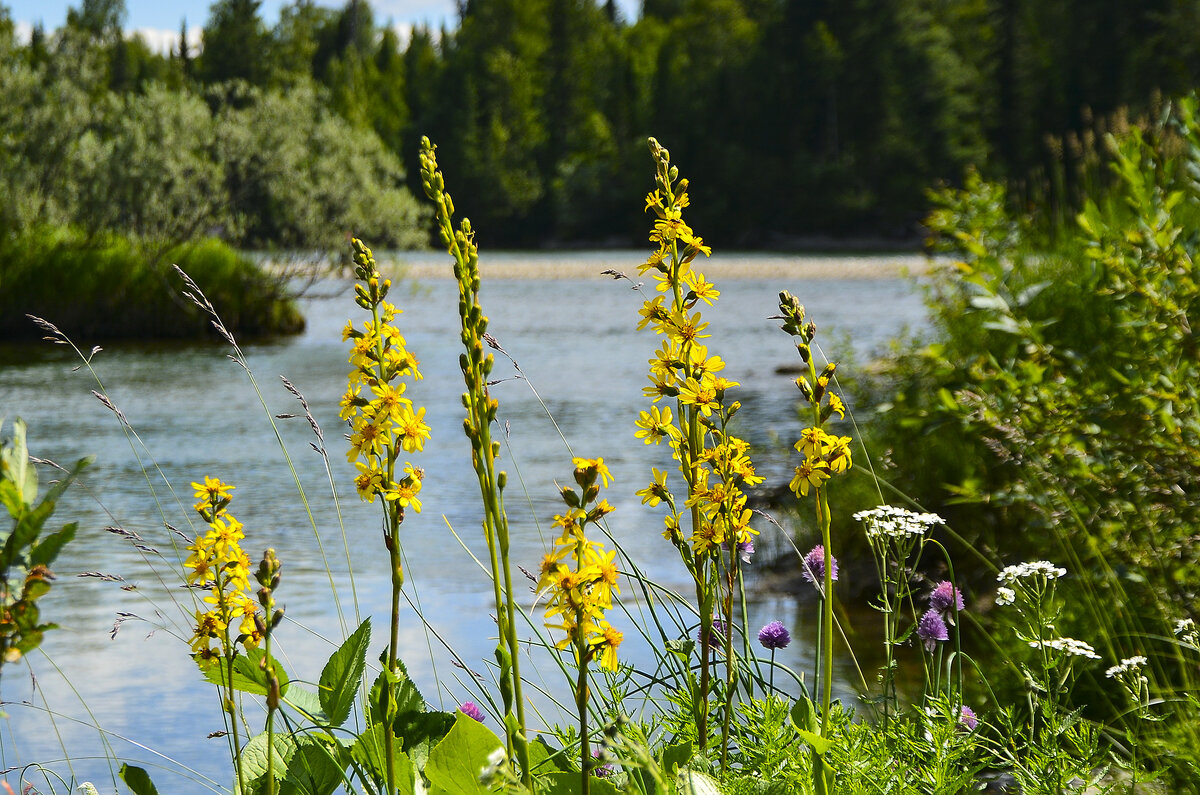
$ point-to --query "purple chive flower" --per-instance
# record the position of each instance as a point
(813, 569)
(945, 595)
(469, 709)
(774, 636)
(967, 718)
(931, 629)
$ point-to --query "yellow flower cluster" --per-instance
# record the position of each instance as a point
(825, 455)
(382, 419)
(218, 564)
(713, 462)
(580, 595)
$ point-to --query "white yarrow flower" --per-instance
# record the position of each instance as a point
(1010, 575)
(1128, 665)
(1005, 596)
(1075, 648)
(892, 522)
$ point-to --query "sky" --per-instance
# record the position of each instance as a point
(158, 20)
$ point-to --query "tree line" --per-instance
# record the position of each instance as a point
(795, 118)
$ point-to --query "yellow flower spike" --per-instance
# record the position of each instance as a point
(657, 490)
(367, 439)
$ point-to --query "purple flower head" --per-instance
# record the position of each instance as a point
(716, 636)
(945, 595)
(745, 549)
(774, 636)
(967, 718)
(813, 569)
(469, 709)
(931, 629)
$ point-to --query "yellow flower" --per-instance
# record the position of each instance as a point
(210, 492)
(412, 429)
(369, 480)
(836, 405)
(811, 473)
(405, 493)
(367, 438)
(813, 442)
(590, 465)
(654, 425)
(610, 639)
(701, 394)
(657, 490)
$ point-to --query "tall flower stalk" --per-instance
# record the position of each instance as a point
(218, 565)
(712, 520)
(580, 595)
(823, 456)
(481, 408)
(383, 424)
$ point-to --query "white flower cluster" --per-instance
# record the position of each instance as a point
(1075, 648)
(893, 522)
(1005, 596)
(1185, 629)
(1009, 575)
(1130, 665)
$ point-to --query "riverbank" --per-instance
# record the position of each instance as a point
(723, 265)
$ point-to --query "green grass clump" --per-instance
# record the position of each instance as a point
(110, 287)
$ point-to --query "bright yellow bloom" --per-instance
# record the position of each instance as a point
(701, 394)
(836, 405)
(657, 490)
(369, 480)
(211, 491)
(367, 439)
(811, 473)
(412, 429)
(607, 644)
(813, 442)
(655, 425)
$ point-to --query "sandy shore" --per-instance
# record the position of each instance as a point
(591, 264)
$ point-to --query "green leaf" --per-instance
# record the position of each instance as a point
(306, 702)
(315, 768)
(49, 547)
(340, 677)
(456, 762)
(544, 759)
(804, 715)
(693, 782)
(248, 675)
(368, 752)
(819, 744)
(138, 780)
(254, 756)
(675, 757)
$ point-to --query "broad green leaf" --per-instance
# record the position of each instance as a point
(819, 744)
(676, 756)
(306, 702)
(456, 762)
(138, 780)
(254, 755)
(248, 675)
(315, 768)
(804, 715)
(369, 753)
(544, 759)
(423, 732)
(693, 782)
(340, 677)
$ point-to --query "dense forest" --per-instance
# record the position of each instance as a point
(795, 118)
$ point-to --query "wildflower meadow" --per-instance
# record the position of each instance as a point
(986, 672)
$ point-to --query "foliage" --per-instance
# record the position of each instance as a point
(27, 553)
(111, 287)
(1058, 399)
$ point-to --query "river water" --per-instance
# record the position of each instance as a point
(103, 687)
